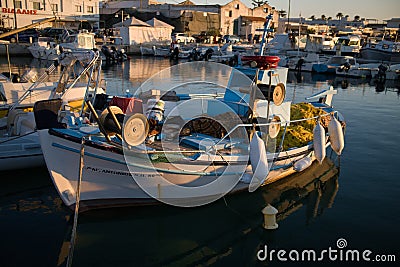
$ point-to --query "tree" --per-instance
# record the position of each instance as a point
(339, 15)
(258, 3)
(312, 17)
(356, 17)
(323, 17)
(329, 18)
(282, 13)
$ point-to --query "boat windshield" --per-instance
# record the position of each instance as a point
(354, 42)
(343, 41)
(2, 97)
(337, 60)
(70, 39)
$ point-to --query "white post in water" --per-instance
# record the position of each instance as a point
(270, 217)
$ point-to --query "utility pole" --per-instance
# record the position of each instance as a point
(288, 19)
(15, 20)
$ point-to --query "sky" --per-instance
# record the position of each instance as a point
(370, 9)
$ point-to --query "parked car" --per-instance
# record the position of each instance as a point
(230, 39)
(27, 36)
(182, 38)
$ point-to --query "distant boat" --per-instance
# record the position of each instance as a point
(44, 48)
(318, 43)
(147, 51)
(349, 45)
(19, 140)
(334, 63)
(386, 72)
(383, 51)
(82, 40)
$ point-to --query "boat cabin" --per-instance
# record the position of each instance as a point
(82, 40)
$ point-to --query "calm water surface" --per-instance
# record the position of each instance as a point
(355, 197)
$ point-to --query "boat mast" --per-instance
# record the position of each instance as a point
(253, 88)
(267, 29)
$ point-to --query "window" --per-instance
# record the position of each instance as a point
(230, 13)
(265, 10)
(237, 6)
(18, 4)
(54, 7)
(78, 8)
(36, 5)
(90, 9)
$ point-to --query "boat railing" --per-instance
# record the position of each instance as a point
(93, 65)
(286, 123)
(40, 80)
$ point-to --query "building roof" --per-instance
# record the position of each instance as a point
(187, 3)
(158, 23)
(132, 21)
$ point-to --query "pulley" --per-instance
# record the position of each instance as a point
(274, 128)
(279, 94)
(107, 121)
(135, 129)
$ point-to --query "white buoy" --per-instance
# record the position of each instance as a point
(336, 135)
(259, 162)
(270, 217)
(319, 142)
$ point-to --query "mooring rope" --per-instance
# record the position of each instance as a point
(17, 137)
(77, 200)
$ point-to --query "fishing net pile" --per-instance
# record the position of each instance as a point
(299, 134)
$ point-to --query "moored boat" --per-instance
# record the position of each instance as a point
(45, 49)
(19, 141)
(383, 51)
(187, 146)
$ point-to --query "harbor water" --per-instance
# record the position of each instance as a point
(351, 202)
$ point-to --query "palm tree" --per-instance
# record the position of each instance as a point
(282, 13)
(323, 17)
(356, 17)
(329, 18)
(258, 3)
(312, 17)
(339, 15)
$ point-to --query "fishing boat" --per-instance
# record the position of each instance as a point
(19, 141)
(190, 134)
(190, 145)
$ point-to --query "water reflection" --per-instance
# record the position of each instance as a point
(341, 82)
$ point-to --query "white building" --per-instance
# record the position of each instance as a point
(71, 13)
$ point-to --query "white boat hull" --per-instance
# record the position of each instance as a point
(107, 180)
(372, 54)
(20, 153)
(44, 53)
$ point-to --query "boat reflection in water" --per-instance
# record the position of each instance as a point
(227, 231)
